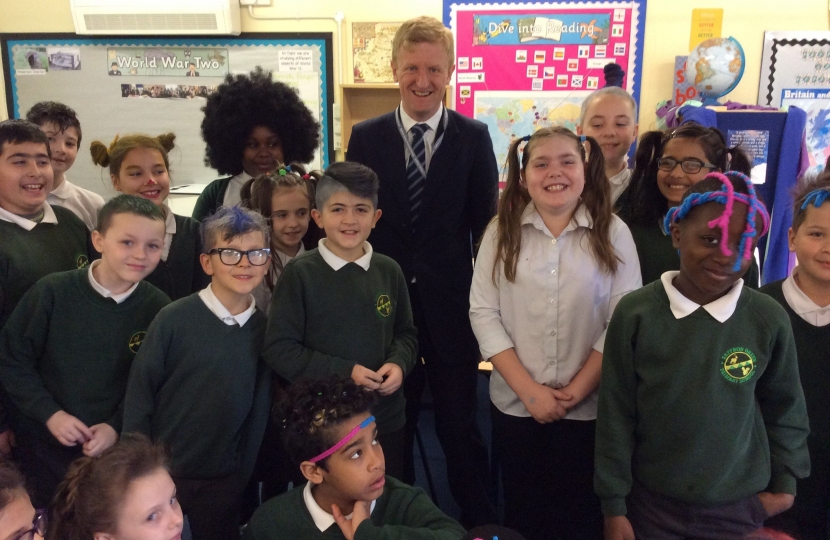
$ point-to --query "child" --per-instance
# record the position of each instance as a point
(138, 165)
(198, 384)
(66, 350)
(550, 269)
(38, 239)
(330, 433)
(701, 426)
(125, 494)
(805, 296)
(342, 309)
(609, 115)
(252, 124)
(284, 198)
(63, 129)
(666, 165)
(18, 518)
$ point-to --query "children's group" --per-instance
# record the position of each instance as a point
(167, 376)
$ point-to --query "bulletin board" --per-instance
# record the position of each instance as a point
(795, 71)
(524, 66)
(156, 85)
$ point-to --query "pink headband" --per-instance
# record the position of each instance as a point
(342, 442)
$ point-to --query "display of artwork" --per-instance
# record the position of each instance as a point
(372, 51)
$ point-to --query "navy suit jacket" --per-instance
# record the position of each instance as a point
(458, 202)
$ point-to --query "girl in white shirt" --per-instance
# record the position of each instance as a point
(551, 267)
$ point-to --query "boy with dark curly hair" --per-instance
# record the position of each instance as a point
(330, 433)
(252, 123)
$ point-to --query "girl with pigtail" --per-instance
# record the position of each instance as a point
(124, 494)
(665, 166)
(550, 269)
(138, 165)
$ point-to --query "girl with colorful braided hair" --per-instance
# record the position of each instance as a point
(701, 425)
(550, 269)
(805, 295)
(252, 125)
(666, 165)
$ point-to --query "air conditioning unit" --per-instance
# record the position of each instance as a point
(177, 17)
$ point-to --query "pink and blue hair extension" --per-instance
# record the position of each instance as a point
(816, 198)
(727, 197)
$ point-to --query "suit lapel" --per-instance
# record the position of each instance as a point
(393, 159)
(442, 161)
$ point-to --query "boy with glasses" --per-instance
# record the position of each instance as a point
(199, 385)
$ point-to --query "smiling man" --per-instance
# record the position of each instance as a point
(438, 190)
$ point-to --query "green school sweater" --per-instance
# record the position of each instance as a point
(211, 198)
(402, 512)
(697, 410)
(199, 386)
(323, 322)
(27, 256)
(658, 255)
(66, 347)
(181, 274)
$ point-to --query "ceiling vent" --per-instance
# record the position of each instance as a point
(148, 17)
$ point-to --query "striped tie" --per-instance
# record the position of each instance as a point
(413, 173)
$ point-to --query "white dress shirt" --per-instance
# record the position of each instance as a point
(169, 231)
(232, 194)
(429, 135)
(556, 311)
(337, 263)
(802, 305)
(48, 217)
(103, 291)
(721, 309)
(618, 183)
(82, 202)
(322, 519)
(215, 306)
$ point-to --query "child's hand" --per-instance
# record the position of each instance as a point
(68, 430)
(543, 404)
(366, 378)
(349, 526)
(393, 378)
(618, 528)
(775, 503)
(103, 436)
(6, 442)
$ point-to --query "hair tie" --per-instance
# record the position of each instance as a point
(525, 138)
(342, 442)
(582, 138)
(306, 176)
(816, 198)
(282, 171)
(288, 168)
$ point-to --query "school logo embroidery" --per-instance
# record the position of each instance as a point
(384, 305)
(81, 261)
(738, 365)
(135, 340)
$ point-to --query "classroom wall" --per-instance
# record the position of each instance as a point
(667, 35)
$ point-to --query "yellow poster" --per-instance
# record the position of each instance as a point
(706, 24)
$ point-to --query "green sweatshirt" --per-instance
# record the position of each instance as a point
(211, 198)
(27, 256)
(198, 386)
(181, 274)
(402, 512)
(697, 410)
(323, 322)
(68, 348)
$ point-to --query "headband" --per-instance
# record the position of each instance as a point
(727, 197)
(342, 442)
(816, 198)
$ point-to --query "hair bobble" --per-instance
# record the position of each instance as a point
(582, 138)
(816, 198)
(282, 171)
(526, 138)
(306, 176)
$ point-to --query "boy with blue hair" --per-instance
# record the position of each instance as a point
(199, 386)
(343, 309)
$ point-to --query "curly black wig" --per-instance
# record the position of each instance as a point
(312, 408)
(244, 102)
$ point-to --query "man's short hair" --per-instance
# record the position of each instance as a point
(56, 113)
(423, 30)
(357, 179)
(127, 204)
(228, 222)
(608, 90)
(22, 131)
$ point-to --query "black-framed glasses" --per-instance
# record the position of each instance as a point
(689, 166)
(38, 527)
(231, 257)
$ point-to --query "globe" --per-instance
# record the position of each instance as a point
(715, 67)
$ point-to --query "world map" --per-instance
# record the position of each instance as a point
(372, 51)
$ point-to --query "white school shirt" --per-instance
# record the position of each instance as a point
(215, 306)
(103, 291)
(429, 135)
(337, 263)
(618, 183)
(556, 311)
(802, 305)
(48, 217)
(322, 519)
(721, 309)
(169, 231)
(232, 195)
(262, 294)
(81, 202)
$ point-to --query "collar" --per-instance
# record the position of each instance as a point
(63, 191)
(407, 121)
(337, 263)
(285, 258)
(621, 177)
(103, 291)
(721, 309)
(216, 307)
(580, 218)
(801, 303)
(48, 217)
(241, 178)
(322, 519)
(169, 220)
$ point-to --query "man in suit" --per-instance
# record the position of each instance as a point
(438, 190)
